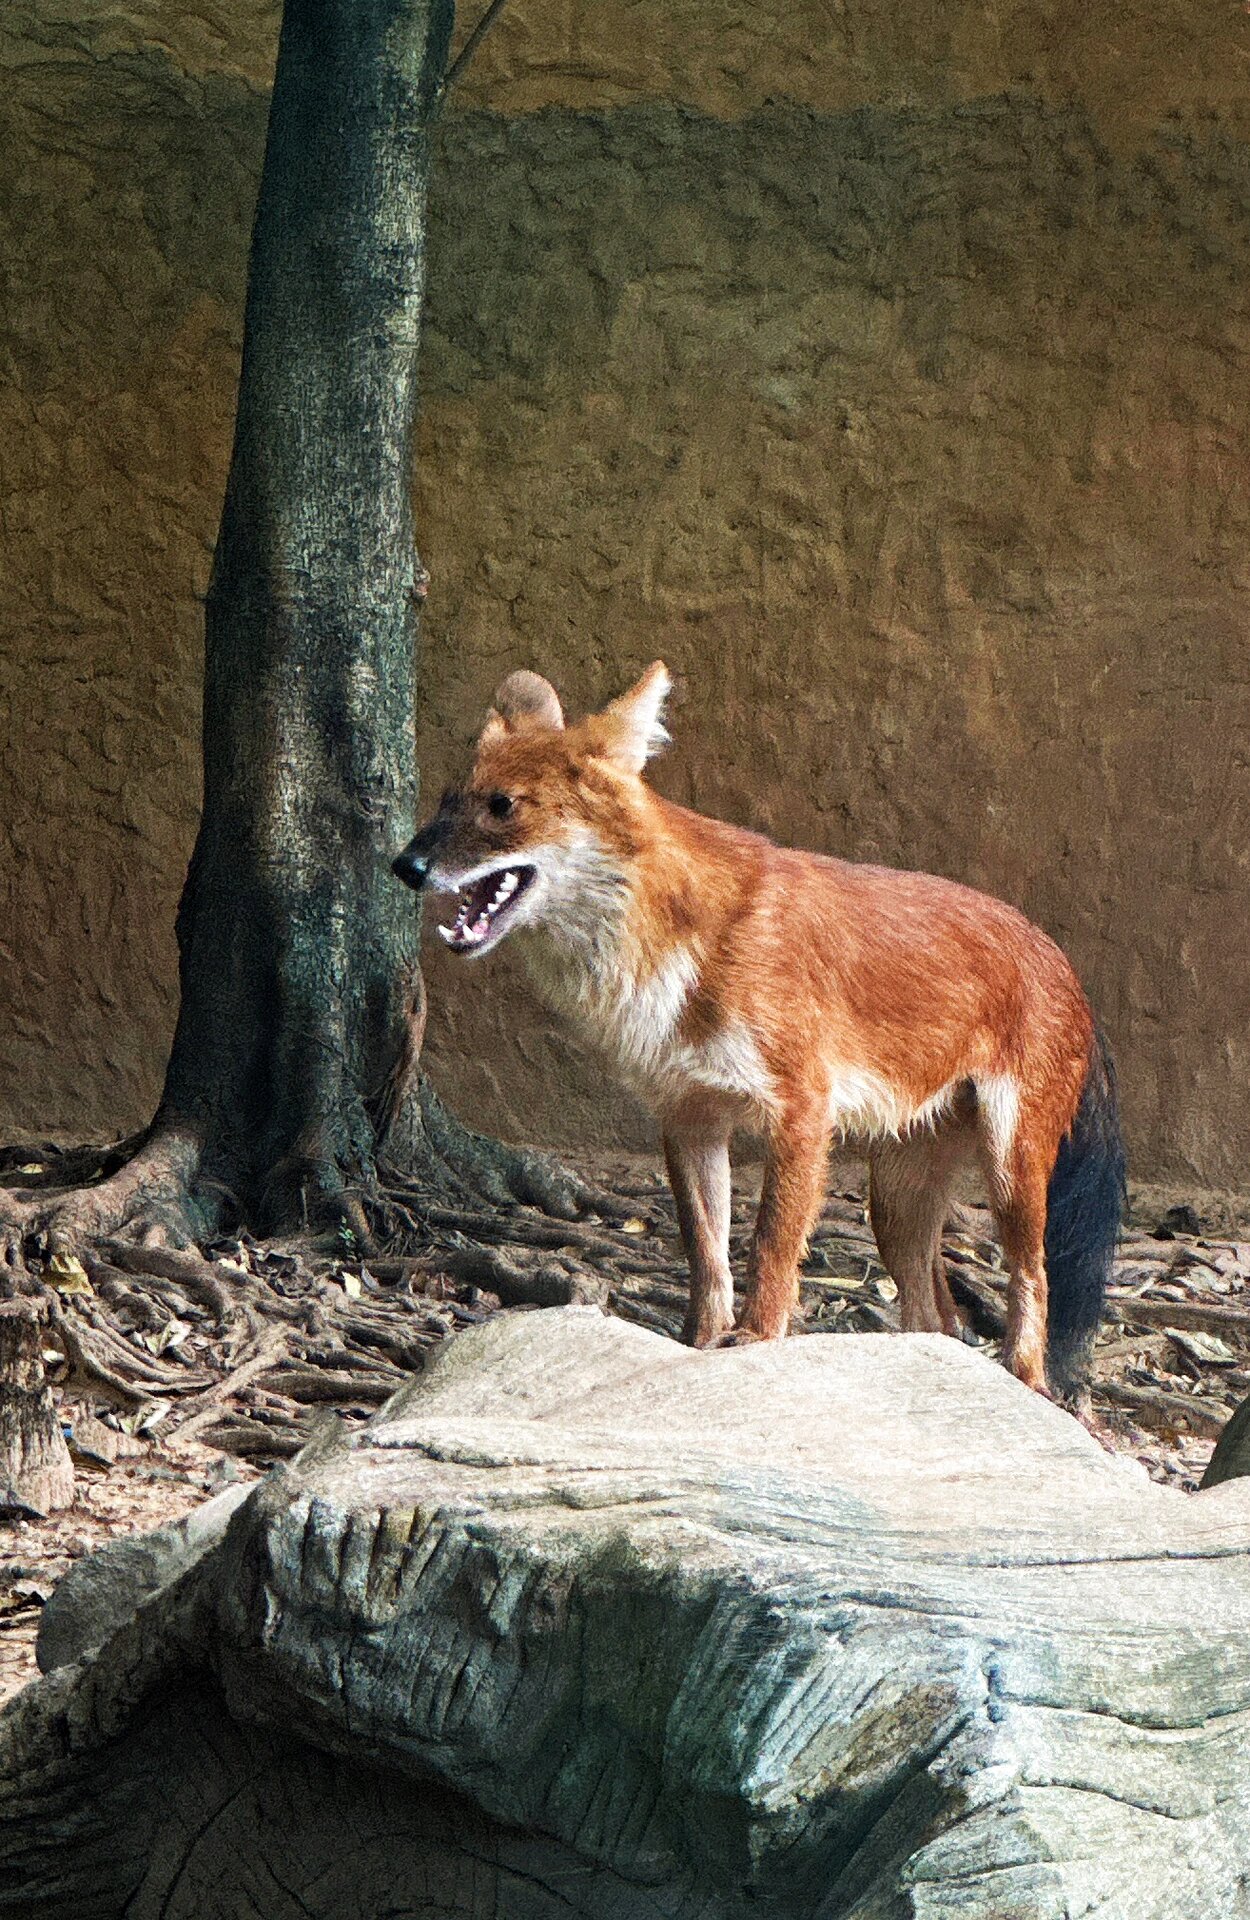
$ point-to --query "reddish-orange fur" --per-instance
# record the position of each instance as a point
(733, 980)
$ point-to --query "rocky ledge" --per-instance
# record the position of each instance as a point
(584, 1623)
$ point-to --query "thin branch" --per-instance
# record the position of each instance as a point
(471, 45)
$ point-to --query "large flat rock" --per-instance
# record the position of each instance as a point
(587, 1623)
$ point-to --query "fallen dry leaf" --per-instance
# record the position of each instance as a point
(68, 1274)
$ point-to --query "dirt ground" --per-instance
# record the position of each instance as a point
(176, 1373)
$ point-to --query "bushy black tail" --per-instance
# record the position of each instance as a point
(1084, 1205)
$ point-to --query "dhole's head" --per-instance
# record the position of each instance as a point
(543, 826)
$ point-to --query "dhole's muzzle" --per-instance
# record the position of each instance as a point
(490, 891)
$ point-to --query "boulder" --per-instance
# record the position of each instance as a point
(584, 1623)
(101, 1592)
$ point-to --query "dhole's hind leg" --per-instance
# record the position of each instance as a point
(1018, 1162)
(794, 1186)
(697, 1158)
(911, 1182)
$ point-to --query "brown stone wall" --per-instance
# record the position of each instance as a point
(891, 386)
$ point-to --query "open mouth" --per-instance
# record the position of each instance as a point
(486, 908)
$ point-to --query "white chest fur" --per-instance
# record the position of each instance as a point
(633, 1014)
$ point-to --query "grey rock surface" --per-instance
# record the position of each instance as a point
(101, 1592)
(585, 1623)
(1231, 1459)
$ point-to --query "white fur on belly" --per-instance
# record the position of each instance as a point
(863, 1103)
(728, 1062)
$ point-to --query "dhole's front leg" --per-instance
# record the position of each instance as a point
(697, 1157)
(793, 1189)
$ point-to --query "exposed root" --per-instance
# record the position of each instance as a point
(468, 1166)
(525, 1279)
(235, 1343)
(18, 1216)
(308, 1188)
(159, 1197)
(150, 1196)
(65, 1166)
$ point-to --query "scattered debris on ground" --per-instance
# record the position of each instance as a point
(175, 1370)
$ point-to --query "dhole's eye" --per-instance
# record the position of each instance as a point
(500, 805)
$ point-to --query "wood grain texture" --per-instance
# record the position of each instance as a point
(585, 1622)
(36, 1472)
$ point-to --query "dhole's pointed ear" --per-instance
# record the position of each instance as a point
(630, 729)
(524, 700)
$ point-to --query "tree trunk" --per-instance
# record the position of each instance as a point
(299, 954)
(294, 1069)
(36, 1472)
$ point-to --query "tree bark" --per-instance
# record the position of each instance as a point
(36, 1472)
(299, 956)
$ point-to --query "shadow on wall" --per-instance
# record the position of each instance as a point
(914, 439)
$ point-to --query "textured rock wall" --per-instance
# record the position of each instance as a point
(884, 371)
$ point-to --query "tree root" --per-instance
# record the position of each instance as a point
(151, 1196)
(36, 1472)
(65, 1166)
(159, 1199)
(518, 1280)
(468, 1166)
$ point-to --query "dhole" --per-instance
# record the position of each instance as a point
(731, 980)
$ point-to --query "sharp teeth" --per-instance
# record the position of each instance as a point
(504, 891)
(463, 933)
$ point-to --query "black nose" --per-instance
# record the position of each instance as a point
(412, 867)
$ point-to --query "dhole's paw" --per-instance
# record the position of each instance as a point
(1087, 1418)
(1077, 1402)
(704, 1333)
(1027, 1364)
(751, 1336)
